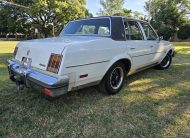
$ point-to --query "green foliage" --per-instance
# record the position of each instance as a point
(168, 14)
(182, 5)
(111, 7)
(11, 20)
(184, 32)
(55, 13)
(47, 15)
(166, 32)
(88, 14)
(137, 15)
(4, 21)
(125, 12)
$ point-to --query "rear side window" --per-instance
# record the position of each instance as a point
(85, 29)
(133, 31)
(103, 30)
(149, 32)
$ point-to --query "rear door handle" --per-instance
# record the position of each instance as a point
(151, 46)
(132, 48)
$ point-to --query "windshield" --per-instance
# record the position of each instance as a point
(98, 27)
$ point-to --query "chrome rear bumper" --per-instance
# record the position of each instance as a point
(28, 76)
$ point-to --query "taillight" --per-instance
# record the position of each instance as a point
(15, 51)
(54, 63)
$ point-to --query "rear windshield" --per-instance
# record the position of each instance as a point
(98, 27)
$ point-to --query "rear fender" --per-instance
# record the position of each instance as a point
(117, 58)
(166, 52)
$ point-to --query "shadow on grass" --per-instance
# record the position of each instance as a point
(143, 112)
(87, 112)
(155, 118)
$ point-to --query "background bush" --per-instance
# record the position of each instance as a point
(166, 32)
(184, 32)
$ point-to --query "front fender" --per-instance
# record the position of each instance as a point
(167, 50)
(170, 48)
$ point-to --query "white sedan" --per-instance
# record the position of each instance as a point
(102, 50)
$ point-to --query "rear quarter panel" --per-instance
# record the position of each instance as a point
(165, 47)
(93, 58)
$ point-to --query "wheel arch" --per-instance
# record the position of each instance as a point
(126, 62)
(123, 59)
(170, 52)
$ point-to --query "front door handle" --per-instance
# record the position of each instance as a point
(132, 48)
(152, 46)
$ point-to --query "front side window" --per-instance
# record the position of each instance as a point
(98, 27)
(149, 32)
(135, 32)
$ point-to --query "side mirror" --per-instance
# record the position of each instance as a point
(161, 38)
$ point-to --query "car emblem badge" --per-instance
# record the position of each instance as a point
(28, 52)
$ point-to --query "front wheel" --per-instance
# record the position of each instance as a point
(114, 79)
(166, 62)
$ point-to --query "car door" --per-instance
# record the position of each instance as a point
(152, 41)
(136, 44)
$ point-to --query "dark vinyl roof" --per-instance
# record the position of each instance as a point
(129, 18)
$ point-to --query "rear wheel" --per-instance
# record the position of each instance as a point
(114, 79)
(166, 62)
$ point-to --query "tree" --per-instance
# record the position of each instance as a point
(165, 31)
(111, 7)
(168, 14)
(137, 15)
(10, 21)
(184, 32)
(55, 13)
(88, 14)
(125, 12)
(183, 6)
(49, 16)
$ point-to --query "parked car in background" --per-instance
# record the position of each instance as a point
(101, 50)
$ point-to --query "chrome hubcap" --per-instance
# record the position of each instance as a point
(116, 77)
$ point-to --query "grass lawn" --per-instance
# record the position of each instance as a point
(153, 103)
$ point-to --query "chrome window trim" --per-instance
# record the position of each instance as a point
(139, 26)
(142, 30)
(124, 28)
(151, 28)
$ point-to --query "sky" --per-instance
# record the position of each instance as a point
(134, 5)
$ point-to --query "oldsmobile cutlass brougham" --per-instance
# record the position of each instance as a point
(102, 50)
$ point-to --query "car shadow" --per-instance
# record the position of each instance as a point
(147, 106)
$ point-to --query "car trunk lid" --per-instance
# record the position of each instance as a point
(39, 51)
